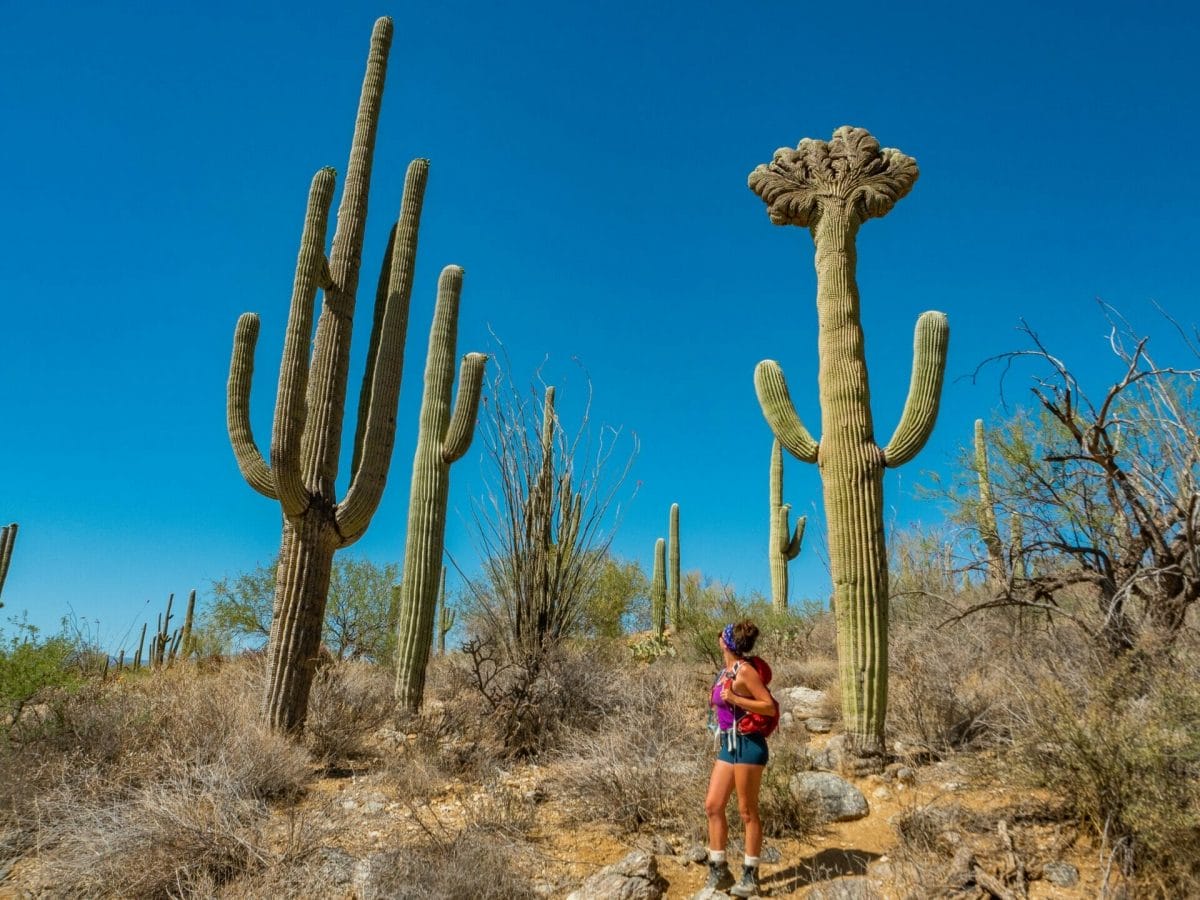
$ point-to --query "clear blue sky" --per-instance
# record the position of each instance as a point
(589, 168)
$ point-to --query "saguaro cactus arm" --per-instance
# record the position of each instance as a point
(312, 273)
(8, 537)
(780, 412)
(790, 546)
(376, 433)
(466, 407)
(930, 341)
(241, 372)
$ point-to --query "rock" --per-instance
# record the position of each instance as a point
(829, 757)
(858, 888)
(818, 726)
(802, 702)
(953, 786)
(1061, 873)
(335, 867)
(905, 775)
(881, 793)
(633, 878)
(374, 806)
(770, 855)
(657, 844)
(840, 801)
(786, 720)
(711, 894)
(697, 853)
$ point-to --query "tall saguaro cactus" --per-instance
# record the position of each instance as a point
(8, 537)
(784, 544)
(673, 587)
(832, 188)
(310, 402)
(442, 439)
(658, 589)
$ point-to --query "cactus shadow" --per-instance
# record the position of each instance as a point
(823, 865)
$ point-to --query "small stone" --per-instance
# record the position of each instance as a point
(819, 726)
(905, 775)
(349, 804)
(881, 793)
(697, 853)
(374, 806)
(953, 786)
(770, 855)
(1061, 873)
(839, 800)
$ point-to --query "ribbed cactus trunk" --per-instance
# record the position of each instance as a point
(310, 401)
(443, 438)
(988, 529)
(831, 188)
(674, 590)
(8, 537)
(783, 545)
(658, 589)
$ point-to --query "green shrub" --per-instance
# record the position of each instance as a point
(30, 666)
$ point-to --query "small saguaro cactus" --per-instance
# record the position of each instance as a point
(137, 660)
(445, 616)
(988, 529)
(310, 404)
(442, 439)
(784, 544)
(674, 589)
(831, 188)
(658, 589)
(8, 537)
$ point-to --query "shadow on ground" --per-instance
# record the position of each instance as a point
(822, 866)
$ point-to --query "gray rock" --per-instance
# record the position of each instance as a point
(786, 720)
(905, 775)
(840, 801)
(697, 853)
(802, 702)
(818, 726)
(829, 757)
(1061, 873)
(633, 878)
(858, 888)
(335, 867)
(711, 894)
(770, 855)
(373, 806)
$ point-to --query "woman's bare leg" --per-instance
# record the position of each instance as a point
(747, 779)
(720, 786)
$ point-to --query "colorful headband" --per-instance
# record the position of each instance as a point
(727, 637)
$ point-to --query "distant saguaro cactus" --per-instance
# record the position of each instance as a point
(8, 537)
(310, 402)
(831, 188)
(784, 544)
(988, 529)
(674, 590)
(445, 616)
(658, 589)
(442, 439)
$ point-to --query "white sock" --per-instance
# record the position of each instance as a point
(716, 856)
(749, 862)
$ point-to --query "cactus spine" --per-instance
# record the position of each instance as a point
(831, 188)
(445, 617)
(784, 544)
(311, 399)
(674, 590)
(658, 589)
(443, 438)
(8, 537)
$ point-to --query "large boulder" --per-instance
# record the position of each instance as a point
(633, 878)
(838, 799)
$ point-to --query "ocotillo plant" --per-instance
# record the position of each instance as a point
(988, 530)
(658, 589)
(8, 537)
(784, 544)
(674, 589)
(311, 399)
(443, 438)
(445, 617)
(831, 188)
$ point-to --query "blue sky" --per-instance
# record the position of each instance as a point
(588, 171)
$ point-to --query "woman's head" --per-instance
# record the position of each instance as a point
(739, 637)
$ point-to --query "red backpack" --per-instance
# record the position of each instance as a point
(752, 722)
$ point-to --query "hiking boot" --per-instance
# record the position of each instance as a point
(748, 886)
(719, 876)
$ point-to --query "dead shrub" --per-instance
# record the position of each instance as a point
(476, 862)
(349, 702)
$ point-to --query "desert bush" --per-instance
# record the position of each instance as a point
(348, 704)
(31, 665)
(648, 764)
(1121, 748)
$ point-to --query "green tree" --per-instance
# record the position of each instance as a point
(360, 612)
(620, 584)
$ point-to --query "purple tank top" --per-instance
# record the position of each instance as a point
(725, 715)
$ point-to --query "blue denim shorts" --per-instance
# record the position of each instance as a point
(748, 750)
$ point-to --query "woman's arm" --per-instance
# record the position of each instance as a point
(749, 693)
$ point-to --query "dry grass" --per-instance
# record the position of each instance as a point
(349, 702)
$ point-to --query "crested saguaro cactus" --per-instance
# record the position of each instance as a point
(784, 544)
(673, 588)
(8, 537)
(658, 589)
(832, 188)
(442, 439)
(310, 403)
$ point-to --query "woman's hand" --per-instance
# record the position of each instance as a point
(727, 696)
